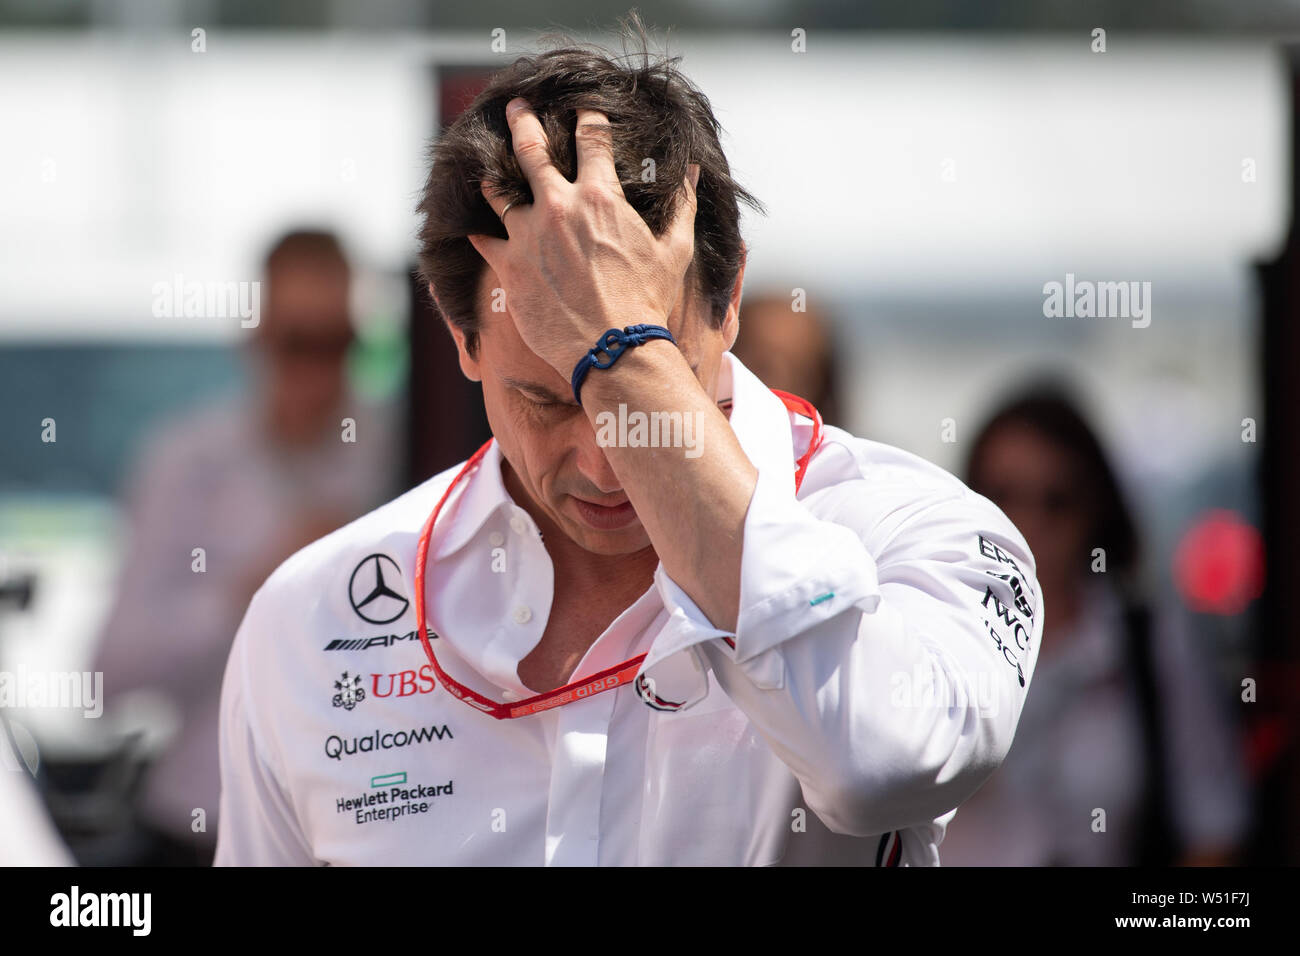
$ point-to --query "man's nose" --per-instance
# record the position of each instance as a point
(593, 464)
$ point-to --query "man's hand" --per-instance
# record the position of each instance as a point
(580, 259)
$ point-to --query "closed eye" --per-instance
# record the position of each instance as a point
(546, 402)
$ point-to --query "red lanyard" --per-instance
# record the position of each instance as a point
(607, 679)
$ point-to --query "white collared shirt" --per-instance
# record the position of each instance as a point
(887, 620)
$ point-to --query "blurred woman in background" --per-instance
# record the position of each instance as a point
(1123, 754)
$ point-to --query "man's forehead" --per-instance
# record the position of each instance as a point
(519, 367)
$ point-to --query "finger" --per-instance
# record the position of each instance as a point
(494, 199)
(681, 232)
(499, 201)
(595, 140)
(530, 148)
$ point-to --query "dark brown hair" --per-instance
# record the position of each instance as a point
(1054, 413)
(319, 245)
(656, 114)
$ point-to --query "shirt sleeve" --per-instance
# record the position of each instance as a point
(256, 825)
(885, 642)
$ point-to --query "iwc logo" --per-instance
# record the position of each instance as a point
(369, 591)
(349, 691)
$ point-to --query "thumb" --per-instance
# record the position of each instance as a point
(682, 230)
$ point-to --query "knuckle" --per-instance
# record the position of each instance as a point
(598, 194)
(529, 148)
(556, 210)
(593, 134)
(684, 246)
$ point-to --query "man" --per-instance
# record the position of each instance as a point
(248, 480)
(824, 677)
(793, 351)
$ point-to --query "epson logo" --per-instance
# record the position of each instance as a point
(336, 747)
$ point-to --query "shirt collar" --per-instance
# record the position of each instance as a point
(761, 423)
(476, 498)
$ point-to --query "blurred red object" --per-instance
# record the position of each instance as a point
(1219, 564)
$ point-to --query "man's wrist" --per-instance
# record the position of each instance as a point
(614, 349)
(649, 362)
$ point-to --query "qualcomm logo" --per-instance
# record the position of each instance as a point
(336, 747)
(369, 591)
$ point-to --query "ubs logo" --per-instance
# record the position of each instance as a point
(369, 591)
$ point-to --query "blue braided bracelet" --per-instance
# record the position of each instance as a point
(614, 343)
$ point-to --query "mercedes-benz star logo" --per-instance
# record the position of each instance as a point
(371, 597)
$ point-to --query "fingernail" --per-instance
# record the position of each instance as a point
(693, 170)
(515, 105)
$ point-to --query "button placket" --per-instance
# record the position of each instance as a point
(520, 602)
(577, 782)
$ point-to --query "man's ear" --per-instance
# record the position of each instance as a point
(731, 322)
(468, 363)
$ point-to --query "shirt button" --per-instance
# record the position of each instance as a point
(497, 539)
(518, 525)
(523, 615)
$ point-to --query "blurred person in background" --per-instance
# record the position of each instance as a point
(789, 350)
(27, 835)
(1123, 717)
(250, 481)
